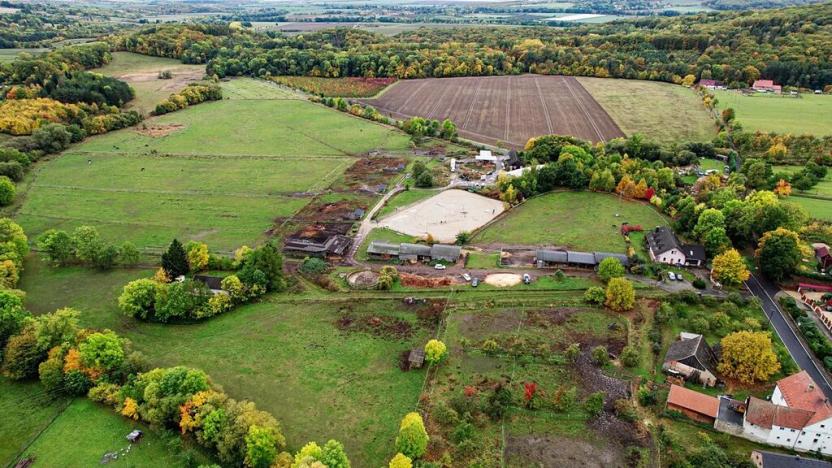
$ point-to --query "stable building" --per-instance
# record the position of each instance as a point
(570, 258)
(413, 252)
(334, 246)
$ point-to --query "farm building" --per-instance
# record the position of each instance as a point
(764, 459)
(766, 86)
(334, 246)
(664, 247)
(692, 358)
(712, 84)
(414, 252)
(695, 405)
(555, 258)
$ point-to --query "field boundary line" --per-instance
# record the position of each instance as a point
(40, 433)
(508, 108)
(167, 192)
(545, 106)
(206, 155)
(407, 101)
(471, 106)
(581, 105)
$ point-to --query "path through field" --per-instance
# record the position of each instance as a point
(502, 109)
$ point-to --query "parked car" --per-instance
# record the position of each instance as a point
(671, 276)
(466, 277)
(526, 278)
(679, 277)
(475, 282)
(439, 266)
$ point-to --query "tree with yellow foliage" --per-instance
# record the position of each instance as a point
(729, 268)
(783, 188)
(509, 195)
(197, 255)
(748, 357)
(621, 296)
(401, 461)
(130, 409)
(688, 81)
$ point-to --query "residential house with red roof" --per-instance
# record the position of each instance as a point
(798, 417)
(766, 86)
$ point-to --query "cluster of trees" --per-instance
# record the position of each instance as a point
(773, 147)
(14, 246)
(573, 163)
(86, 87)
(356, 109)
(422, 176)
(619, 294)
(790, 46)
(818, 343)
(172, 296)
(75, 361)
(192, 94)
(84, 246)
(31, 25)
(25, 116)
(419, 127)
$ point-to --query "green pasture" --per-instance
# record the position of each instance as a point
(217, 178)
(579, 220)
(271, 128)
(141, 72)
(26, 410)
(250, 88)
(9, 55)
(822, 189)
(288, 356)
(482, 260)
(808, 114)
(663, 112)
(85, 431)
(816, 207)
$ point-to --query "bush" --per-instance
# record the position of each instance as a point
(313, 266)
(7, 191)
(425, 180)
(699, 283)
(600, 356)
(610, 268)
(594, 404)
(595, 295)
(629, 356)
(412, 440)
(435, 352)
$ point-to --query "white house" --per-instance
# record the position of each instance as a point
(664, 247)
(486, 155)
(798, 417)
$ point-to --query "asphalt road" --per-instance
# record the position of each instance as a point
(765, 291)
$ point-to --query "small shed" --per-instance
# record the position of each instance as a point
(416, 359)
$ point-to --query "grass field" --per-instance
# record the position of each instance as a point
(482, 260)
(214, 177)
(9, 55)
(250, 88)
(782, 114)
(287, 355)
(661, 111)
(141, 72)
(579, 220)
(822, 189)
(26, 409)
(94, 430)
(816, 207)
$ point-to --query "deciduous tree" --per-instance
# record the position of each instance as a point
(412, 440)
(729, 268)
(748, 357)
(620, 295)
(779, 253)
(610, 268)
(435, 351)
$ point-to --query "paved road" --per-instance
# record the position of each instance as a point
(766, 291)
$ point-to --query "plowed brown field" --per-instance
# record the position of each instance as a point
(507, 109)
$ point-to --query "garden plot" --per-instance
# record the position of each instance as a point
(444, 215)
(512, 347)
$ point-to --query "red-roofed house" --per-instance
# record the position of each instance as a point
(798, 416)
(695, 405)
(766, 86)
(712, 84)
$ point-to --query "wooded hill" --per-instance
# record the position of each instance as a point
(792, 46)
